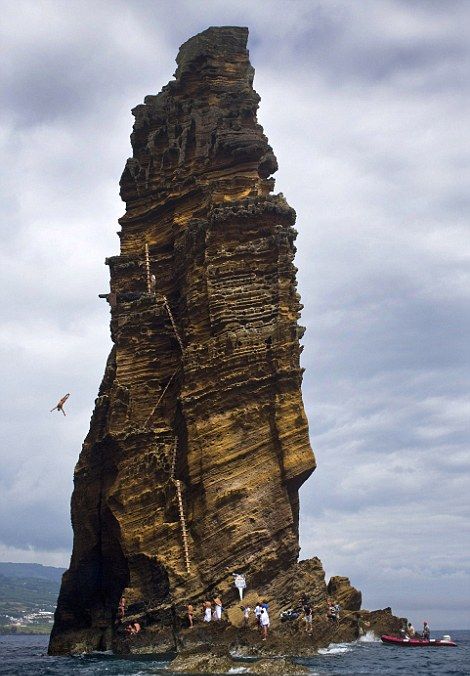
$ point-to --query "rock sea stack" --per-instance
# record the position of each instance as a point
(198, 443)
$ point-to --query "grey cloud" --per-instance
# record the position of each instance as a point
(365, 106)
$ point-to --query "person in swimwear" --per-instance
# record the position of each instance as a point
(60, 404)
(190, 613)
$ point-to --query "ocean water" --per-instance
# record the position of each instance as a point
(26, 655)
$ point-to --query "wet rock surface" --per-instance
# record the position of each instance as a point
(198, 443)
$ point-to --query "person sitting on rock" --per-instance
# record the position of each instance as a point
(133, 628)
(207, 611)
(410, 630)
(217, 614)
(264, 623)
(426, 633)
(60, 404)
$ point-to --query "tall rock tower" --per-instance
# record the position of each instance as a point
(198, 443)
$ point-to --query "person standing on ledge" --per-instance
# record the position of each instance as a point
(217, 609)
(308, 615)
(246, 615)
(122, 607)
(264, 623)
(258, 614)
(207, 611)
(190, 613)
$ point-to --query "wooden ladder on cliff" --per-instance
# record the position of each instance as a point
(179, 494)
(176, 482)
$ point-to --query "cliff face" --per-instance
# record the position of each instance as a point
(198, 442)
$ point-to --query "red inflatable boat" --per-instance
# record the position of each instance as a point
(419, 642)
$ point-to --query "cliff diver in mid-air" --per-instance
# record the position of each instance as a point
(60, 405)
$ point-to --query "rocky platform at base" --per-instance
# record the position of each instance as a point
(222, 647)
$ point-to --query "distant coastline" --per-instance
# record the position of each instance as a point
(28, 598)
(24, 630)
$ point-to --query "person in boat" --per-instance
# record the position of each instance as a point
(426, 633)
(410, 630)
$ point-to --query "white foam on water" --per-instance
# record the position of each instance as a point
(238, 670)
(242, 656)
(369, 637)
(335, 649)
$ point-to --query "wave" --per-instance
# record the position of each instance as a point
(335, 649)
(369, 637)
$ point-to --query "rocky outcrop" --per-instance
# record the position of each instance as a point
(340, 589)
(198, 443)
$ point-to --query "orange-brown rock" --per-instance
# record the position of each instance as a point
(340, 590)
(205, 363)
(198, 443)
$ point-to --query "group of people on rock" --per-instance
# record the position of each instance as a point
(131, 628)
(333, 610)
(212, 610)
(410, 632)
(306, 610)
(261, 614)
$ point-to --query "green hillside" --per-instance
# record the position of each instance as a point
(28, 596)
(31, 570)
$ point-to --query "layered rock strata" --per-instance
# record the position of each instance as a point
(199, 442)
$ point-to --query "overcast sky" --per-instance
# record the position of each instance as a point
(366, 106)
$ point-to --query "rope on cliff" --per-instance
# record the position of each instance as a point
(162, 395)
(184, 532)
(168, 309)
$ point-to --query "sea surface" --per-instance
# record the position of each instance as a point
(26, 655)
